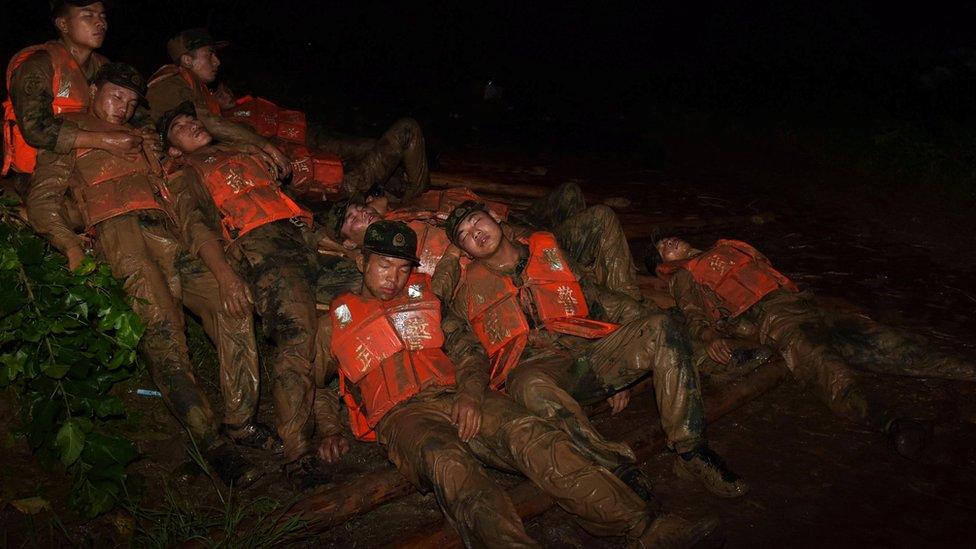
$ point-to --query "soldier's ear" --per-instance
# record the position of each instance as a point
(61, 23)
(186, 60)
(361, 263)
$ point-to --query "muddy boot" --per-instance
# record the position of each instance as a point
(306, 472)
(254, 435)
(671, 531)
(637, 480)
(907, 436)
(745, 361)
(704, 465)
(231, 465)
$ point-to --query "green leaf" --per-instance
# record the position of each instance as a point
(14, 363)
(70, 441)
(42, 415)
(55, 370)
(31, 506)
(105, 451)
(108, 407)
(87, 267)
(30, 251)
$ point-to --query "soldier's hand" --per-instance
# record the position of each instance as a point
(152, 138)
(467, 416)
(720, 350)
(75, 257)
(122, 143)
(235, 296)
(333, 447)
(619, 401)
(280, 160)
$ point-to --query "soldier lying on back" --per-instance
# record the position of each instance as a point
(731, 283)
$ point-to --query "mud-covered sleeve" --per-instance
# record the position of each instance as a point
(466, 352)
(195, 214)
(173, 90)
(606, 304)
(32, 98)
(447, 275)
(327, 419)
(687, 296)
(46, 198)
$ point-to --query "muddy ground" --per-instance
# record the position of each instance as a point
(903, 255)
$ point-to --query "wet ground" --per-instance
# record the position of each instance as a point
(906, 259)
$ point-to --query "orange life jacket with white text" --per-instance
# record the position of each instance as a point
(388, 351)
(196, 85)
(70, 88)
(494, 305)
(244, 190)
(736, 275)
(105, 185)
(269, 120)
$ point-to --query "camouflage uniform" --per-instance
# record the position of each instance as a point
(369, 162)
(423, 443)
(818, 346)
(144, 248)
(557, 373)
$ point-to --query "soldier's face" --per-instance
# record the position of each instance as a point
(358, 217)
(203, 62)
(187, 134)
(673, 249)
(385, 276)
(85, 26)
(114, 104)
(479, 235)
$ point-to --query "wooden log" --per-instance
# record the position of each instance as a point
(332, 506)
(488, 186)
(530, 501)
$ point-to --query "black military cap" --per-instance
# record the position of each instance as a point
(392, 239)
(167, 118)
(124, 75)
(189, 40)
(459, 214)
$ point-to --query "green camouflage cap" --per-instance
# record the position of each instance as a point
(124, 75)
(333, 217)
(187, 107)
(189, 40)
(459, 214)
(392, 239)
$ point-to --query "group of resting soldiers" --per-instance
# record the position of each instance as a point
(461, 334)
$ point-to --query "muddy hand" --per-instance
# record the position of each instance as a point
(122, 143)
(619, 401)
(333, 447)
(467, 416)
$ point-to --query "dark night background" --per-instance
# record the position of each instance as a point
(876, 84)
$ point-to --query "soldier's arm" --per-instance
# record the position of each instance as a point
(447, 274)
(467, 354)
(196, 216)
(32, 97)
(606, 304)
(687, 296)
(46, 198)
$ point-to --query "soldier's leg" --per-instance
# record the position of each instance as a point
(596, 241)
(556, 207)
(423, 444)
(233, 338)
(138, 254)
(278, 267)
(544, 386)
(402, 143)
(869, 345)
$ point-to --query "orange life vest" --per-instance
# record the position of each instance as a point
(422, 214)
(70, 88)
(314, 175)
(388, 351)
(196, 86)
(736, 274)
(111, 186)
(244, 191)
(494, 305)
(268, 119)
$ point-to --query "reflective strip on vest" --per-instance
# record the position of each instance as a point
(387, 351)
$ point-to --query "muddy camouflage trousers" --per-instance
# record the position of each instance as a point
(820, 346)
(554, 383)
(278, 265)
(368, 162)
(144, 251)
(423, 443)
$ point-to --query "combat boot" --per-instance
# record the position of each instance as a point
(637, 480)
(907, 436)
(704, 465)
(306, 472)
(231, 465)
(254, 434)
(673, 532)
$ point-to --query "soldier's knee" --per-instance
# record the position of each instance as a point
(602, 213)
(408, 128)
(526, 386)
